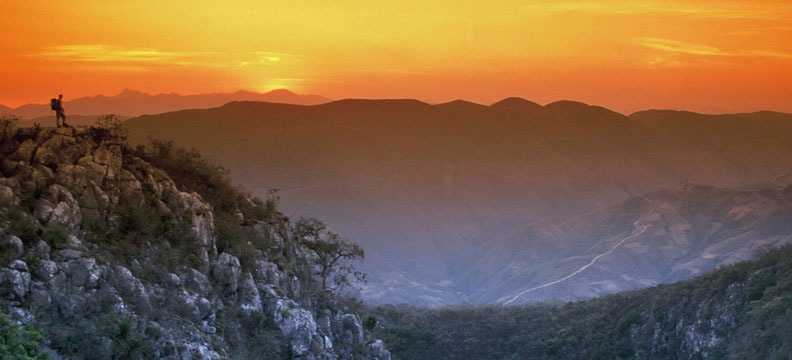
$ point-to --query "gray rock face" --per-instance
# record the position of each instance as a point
(249, 298)
(226, 272)
(130, 289)
(298, 326)
(202, 219)
(179, 311)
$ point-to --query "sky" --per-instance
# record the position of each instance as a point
(707, 56)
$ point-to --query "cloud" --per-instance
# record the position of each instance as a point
(107, 53)
(776, 54)
(117, 57)
(652, 7)
(679, 46)
(265, 58)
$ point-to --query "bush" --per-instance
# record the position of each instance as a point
(370, 323)
(55, 237)
(20, 343)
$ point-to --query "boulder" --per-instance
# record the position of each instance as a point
(13, 247)
(196, 281)
(42, 250)
(14, 284)
(377, 351)
(130, 289)
(297, 326)
(7, 196)
(83, 272)
(18, 265)
(46, 270)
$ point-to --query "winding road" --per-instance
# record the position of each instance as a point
(582, 268)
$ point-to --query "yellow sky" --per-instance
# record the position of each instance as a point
(627, 55)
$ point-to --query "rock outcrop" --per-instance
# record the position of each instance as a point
(61, 188)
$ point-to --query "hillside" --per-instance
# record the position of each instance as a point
(742, 311)
(429, 188)
(110, 251)
(660, 237)
(134, 103)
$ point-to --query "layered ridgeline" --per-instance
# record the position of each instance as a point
(110, 251)
(743, 311)
(440, 195)
(134, 103)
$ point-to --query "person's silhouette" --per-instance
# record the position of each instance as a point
(60, 114)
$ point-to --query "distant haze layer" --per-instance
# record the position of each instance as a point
(431, 191)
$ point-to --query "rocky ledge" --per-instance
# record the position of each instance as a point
(92, 293)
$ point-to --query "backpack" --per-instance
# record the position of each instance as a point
(54, 104)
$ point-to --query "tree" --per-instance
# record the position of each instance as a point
(331, 252)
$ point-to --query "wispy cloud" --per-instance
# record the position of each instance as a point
(651, 7)
(766, 53)
(678, 46)
(140, 58)
(107, 53)
(265, 57)
(681, 47)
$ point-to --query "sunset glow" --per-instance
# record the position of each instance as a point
(711, 56)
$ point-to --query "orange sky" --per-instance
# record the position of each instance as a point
(627, 55)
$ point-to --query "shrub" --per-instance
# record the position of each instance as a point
(370, 323)
(55, 237)
(20, 343)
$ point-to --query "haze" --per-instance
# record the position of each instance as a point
(706, 56)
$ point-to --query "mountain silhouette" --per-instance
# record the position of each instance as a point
(133, 103)
(430, 189)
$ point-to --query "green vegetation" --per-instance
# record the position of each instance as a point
(249, 335)
(747, 307)
(55, 237)
(20, 343)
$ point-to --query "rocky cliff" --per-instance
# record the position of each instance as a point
(111, 258)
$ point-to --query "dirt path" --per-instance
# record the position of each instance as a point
(582, 268)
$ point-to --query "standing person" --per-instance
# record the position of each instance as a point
(60, 115)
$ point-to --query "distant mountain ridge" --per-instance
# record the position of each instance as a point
(432, 191)
(135, 103)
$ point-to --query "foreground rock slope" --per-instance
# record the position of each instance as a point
(111, 258)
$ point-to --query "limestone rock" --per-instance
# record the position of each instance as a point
(377, 351)
(226, 272)
(196, 281)
(46, 270)
(14, 284)
(83, 272)
(249, 298)
(12, 246)
(18, 265)
(130, 288)
(202, 218)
